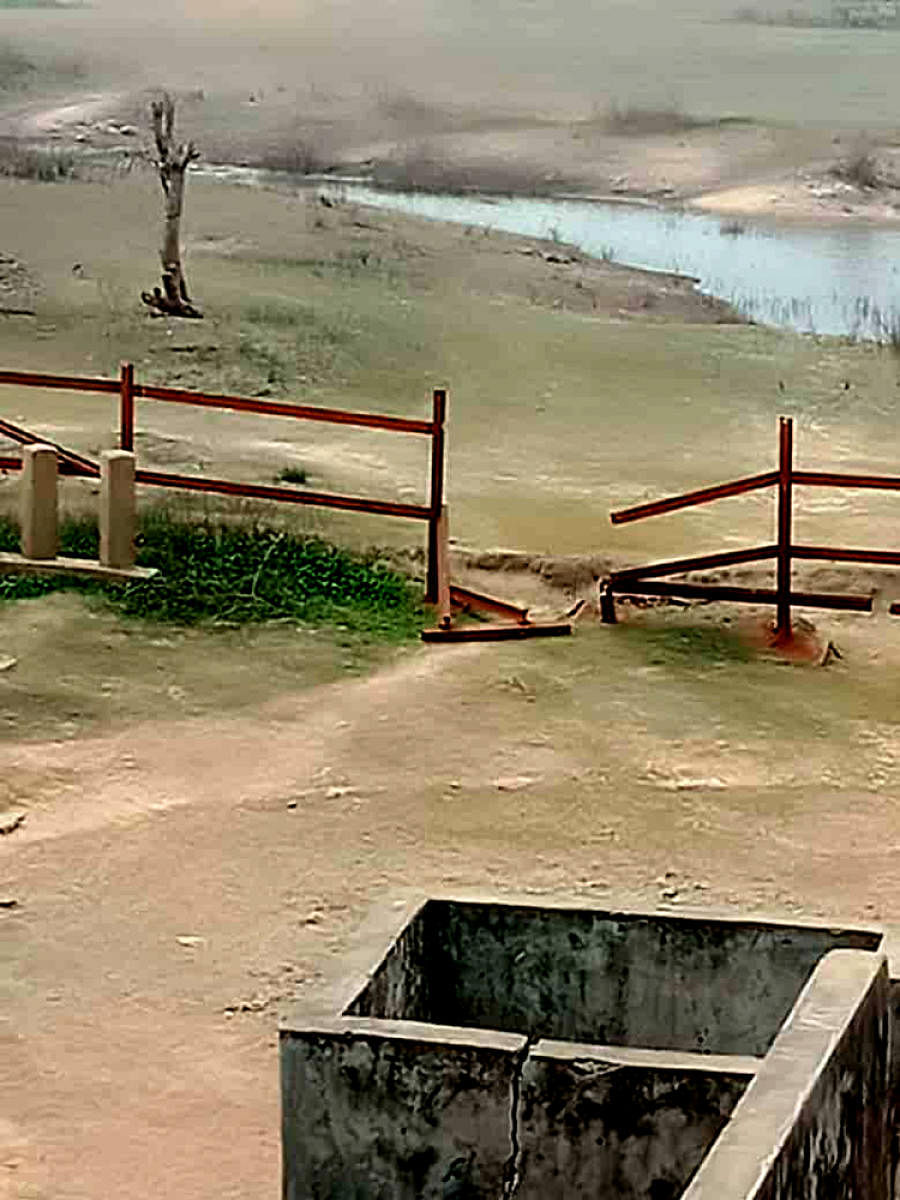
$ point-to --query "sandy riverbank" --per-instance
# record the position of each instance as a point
(730, 167)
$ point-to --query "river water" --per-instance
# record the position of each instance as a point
(842, 280)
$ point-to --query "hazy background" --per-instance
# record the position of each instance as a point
(551, 58)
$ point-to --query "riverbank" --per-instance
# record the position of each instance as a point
(729, 166)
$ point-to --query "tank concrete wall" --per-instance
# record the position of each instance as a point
(594, 1122)
(658, 981)
(813, 1125)
(894, 1114)
(378, 1105)
(396, 1111)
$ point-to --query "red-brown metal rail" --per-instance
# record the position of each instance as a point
(701, 562)
(264, 491)
(645, 580)
(128, 391)
(703, 496)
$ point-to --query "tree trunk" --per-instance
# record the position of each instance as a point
(172, 164)
(173, 273)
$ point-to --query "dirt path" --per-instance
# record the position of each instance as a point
(179, 884)
(37, 120)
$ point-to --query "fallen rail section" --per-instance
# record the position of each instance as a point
(653, 579)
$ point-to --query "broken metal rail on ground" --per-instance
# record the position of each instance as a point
(438, 589)
(645, 581)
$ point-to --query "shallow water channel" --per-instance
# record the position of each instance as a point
(842, 280)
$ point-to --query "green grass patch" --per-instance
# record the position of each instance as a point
(682, 645)
(292, 475)
(213, 573)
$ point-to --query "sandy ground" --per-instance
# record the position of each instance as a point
(175, 889)
(186, 870)
(809, 195)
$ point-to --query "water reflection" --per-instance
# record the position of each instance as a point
(824, 280)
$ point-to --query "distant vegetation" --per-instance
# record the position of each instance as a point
(861, 168)
(15, 68)
(866, 14)
(637, 119)
(36, 162)
(302, 157)
(19, 72)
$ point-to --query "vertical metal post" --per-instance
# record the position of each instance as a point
(126, 407)
(607, 602)
(436, 498)
(783, 629)
(445, 613)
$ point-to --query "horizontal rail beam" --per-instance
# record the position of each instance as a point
(719, 491)
(273, 408)
(25, 437)
(888, 483)
(883, 558)
(700, 562)
(258, 491)
(68, 383)
(306, 412)
(745, 595)
(65, 468)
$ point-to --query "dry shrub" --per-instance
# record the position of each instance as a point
(36, 162)
(412, 114)
(860, 168)
(419, 168)
(635, 119)
(306, 156)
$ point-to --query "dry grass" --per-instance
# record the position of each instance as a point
(305, 156)
(420, 168)
(860, 167)
(45, 165)
(634, 120)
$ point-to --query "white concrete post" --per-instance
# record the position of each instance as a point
(40, 513)
(117, 508)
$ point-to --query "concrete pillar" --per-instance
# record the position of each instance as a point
(40, 516)
(117, 508)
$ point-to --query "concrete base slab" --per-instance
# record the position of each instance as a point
(18, 564)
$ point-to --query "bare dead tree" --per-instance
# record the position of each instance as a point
(172, 162)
